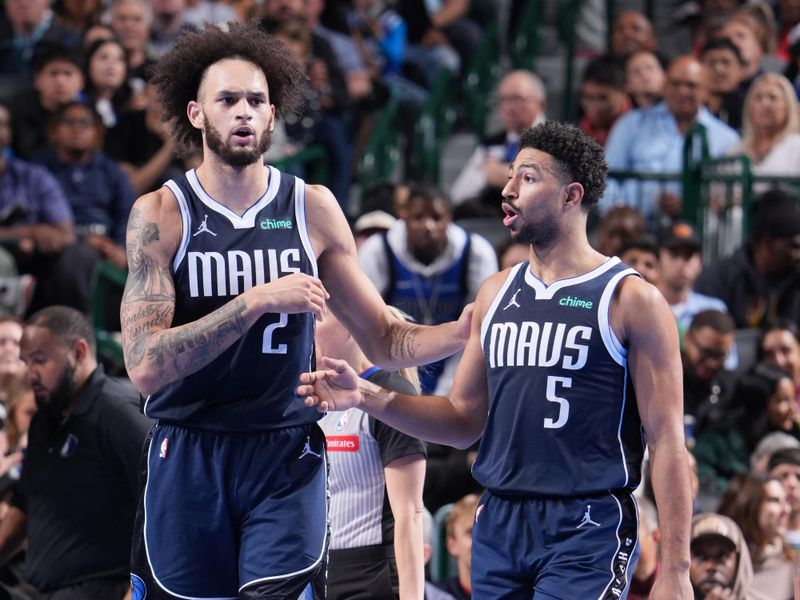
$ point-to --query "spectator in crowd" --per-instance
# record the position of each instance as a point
(602, 96)
(77, 16)
(631, 32)
(652, 140)
(458, 537)
(168, 23)
(98, 191)
(784, 465)
(642, 255)
(37, 227)
(150, 159)
(12, 369)
(780, 345)
(380, 37)
(357, 77)
(57, 80)
(644, 79)
(429, 268)
(680, 264)
(619, 226)
(771, 128)
(329, 86)
(725, 97)
(109, 92)
(762, 513)
(76, 499)
(646, 571)
(762, 402)
(721, 567)
(130, 22)
(441, 36)
(376, 552)
(707, 385)
(770, 444)
(751, 27)
(25, 26)
(520, 98)
(760, 281)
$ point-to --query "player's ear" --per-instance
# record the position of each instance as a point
(195, 113)
(272, 118)
(574, 193)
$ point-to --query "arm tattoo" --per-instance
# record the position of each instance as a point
(402, 340)
(148, 308)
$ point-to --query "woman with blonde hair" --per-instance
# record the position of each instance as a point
(376, 480)
(771, 126)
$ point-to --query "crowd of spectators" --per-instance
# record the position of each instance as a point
(81, 136)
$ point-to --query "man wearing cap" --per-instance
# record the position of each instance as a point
(721, 568)
(680, 264)
(761, 281)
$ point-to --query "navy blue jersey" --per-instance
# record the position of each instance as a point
(563, 419)
(250, 386)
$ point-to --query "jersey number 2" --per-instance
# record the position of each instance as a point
(267, 345)
(563, 403)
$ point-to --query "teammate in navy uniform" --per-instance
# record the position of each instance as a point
(229, 267)
(571, 368)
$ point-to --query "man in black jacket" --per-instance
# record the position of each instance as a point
(761, 280)
(76, 499)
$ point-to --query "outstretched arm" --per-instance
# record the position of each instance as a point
(387, 341)
(655, 366)
(457, 420)
(156, 353)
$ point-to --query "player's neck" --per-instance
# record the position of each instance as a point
(234, 188)
(569, 256)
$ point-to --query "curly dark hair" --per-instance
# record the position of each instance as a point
(178, 74)
(579, 157)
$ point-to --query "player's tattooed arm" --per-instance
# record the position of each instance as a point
(402, 336)
(156, 353)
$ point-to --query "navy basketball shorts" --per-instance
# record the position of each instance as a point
(231, 515)
(554, 548)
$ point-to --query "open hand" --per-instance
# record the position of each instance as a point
(332, 388)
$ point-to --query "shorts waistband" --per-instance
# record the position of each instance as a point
(362, 553)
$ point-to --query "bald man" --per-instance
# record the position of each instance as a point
(520, 100)
(651, 140)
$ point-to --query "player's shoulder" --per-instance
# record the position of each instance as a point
(157, 216)
(491, 287)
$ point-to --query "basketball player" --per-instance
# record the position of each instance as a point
(229, 266)
(572, 364)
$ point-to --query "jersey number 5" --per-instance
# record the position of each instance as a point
(267, 344)
(563, 403)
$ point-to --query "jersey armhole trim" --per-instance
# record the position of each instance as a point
(302, 225)
(614, 347)
(493, 307)
(185, 222)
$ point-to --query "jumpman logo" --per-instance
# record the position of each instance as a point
(203, 228)
(587, 518)
(513, 301)
(307, 449)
